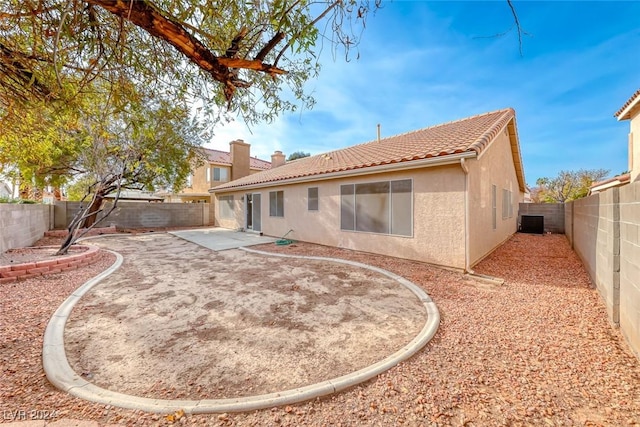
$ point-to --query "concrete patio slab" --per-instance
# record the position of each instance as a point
(221, 239)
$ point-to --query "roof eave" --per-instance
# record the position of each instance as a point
(390, 167)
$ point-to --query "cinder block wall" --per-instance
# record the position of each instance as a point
(630, 264)
(142, 214)
(23, 225)
(604, 230)
(553, 214)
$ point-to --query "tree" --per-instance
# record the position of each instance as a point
(568, 185)
(105, 146)
(245, 55)
(297, 155)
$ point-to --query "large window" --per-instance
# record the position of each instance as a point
(383, 207)
(312, 198)
(225, 207)
(276, 203)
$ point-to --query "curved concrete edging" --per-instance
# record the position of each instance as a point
(60, 373)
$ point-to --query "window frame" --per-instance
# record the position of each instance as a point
(494, 206)
(313, 200)
(220, 171)
(349, 206)
(277, 210)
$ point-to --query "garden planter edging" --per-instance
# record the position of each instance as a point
(12, 273)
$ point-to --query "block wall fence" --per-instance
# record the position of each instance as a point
(553, 214)
(604, 230)
(23, 225)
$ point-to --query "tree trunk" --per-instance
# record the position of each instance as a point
(92, 211)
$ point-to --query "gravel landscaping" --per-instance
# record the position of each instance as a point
(537, 350)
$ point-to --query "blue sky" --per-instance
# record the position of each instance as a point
(424, 63)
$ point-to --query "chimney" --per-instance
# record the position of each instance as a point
(277, 159)
(240, 155)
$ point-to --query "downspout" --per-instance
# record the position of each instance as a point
(467, 262)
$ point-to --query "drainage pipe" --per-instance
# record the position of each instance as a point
(467, 262)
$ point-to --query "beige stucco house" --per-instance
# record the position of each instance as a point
(631, 111)
(219, 167)
(446, 194)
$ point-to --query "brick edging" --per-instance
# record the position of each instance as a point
(12, 273)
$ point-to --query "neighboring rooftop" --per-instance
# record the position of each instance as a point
(616, 181)
(224, 158)
(472, 134)
(630, 107)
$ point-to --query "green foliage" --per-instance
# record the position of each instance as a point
(297, 155)
(102, 141)
(568, 185)
(52, 49)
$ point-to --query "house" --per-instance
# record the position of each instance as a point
(219, 167)
(5, 191)
(445, 194)
(631, 111)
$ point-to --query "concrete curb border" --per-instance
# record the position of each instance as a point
(61, 375)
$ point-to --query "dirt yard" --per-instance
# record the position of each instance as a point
(536, 351)
(181, 321)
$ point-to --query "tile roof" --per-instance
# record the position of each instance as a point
(224, 158)
(465, 135)
(633, 100)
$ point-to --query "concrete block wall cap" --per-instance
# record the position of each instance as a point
(60, 373)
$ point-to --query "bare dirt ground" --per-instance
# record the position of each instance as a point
(536, 351)
(181, 321)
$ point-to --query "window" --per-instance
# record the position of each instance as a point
(383, 207)
(312, 198)
(189, 180)
(507, 204)
(494, 212)
(276, 203)
(225, 207)
(220, 174)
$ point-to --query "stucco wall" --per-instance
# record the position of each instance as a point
(604, 230)
(553, 214)
(23, 225)
(142, 214)
(438, 220)
(634, 148)
(493, 167)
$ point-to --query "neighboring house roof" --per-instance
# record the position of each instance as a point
(470, 135)
(616, 181)
(224, 158)
(5, 190)
(631, 106)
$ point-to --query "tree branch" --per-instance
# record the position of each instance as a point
(150, 18)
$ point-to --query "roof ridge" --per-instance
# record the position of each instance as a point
(463, 119)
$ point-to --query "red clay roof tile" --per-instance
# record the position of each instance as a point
(465, 135)
(224, 157)
(630, 101)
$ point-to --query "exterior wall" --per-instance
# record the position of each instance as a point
(143, 214)
(200, 184)
(438, 216)
(23, 225)
(634, 148)
(493, 167)
(604, 230)
(553, 214)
